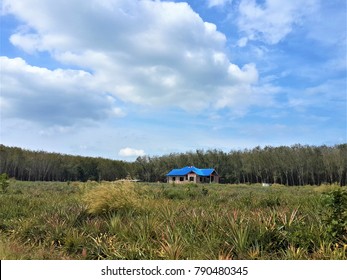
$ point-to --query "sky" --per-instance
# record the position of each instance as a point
(120, 79)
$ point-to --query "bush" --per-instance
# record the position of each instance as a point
(4, 183)
(334, 214)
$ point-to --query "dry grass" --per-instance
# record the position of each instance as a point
(116, 197)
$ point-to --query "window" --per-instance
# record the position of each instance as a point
(181, 179)
(191, 179)
(173, 178)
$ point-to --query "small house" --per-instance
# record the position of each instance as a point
(192, 174)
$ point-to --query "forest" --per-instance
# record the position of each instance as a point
(286, 165)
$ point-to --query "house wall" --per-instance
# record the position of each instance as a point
(195, 179)
(170, 179)
(216, 179)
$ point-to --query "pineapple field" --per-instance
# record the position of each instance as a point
(145, 221)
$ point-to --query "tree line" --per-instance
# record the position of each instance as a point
(287, 165)
(29, 165)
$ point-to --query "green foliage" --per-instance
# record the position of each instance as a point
(93, 220)
(4, 182)
(295, 165)
(239, 238)
(334, 214)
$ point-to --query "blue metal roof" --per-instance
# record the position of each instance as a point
(187, 169)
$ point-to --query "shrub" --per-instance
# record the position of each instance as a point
(204, 191)
(4, 183)
(334, 214)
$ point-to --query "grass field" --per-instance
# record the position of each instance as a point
(52, 220)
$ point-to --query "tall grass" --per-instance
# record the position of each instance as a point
(108, 198)
(116, 220)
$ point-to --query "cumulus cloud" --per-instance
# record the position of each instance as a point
(130, 152)
(145, 52)
(52, 97)
(273, 20)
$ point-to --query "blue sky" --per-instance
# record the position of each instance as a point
(119, 79)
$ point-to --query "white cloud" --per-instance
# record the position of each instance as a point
(129, 152)
(150, 53)
(214, 3)
(118, 112)
(51, 97)
(242, 42)
(273, 20)
(134, 55)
